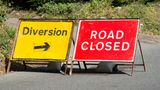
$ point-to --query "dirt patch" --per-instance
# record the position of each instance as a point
(12, 22)
(23, 14)
(146, 38)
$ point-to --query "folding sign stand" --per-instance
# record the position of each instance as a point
(25, 67)
(133, 63)
(89, 39)
(42, 40)
(72, 63)
(142, 58)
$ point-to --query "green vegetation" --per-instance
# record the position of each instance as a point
(147, 10)
(60, 9)
(6, 39)
(3, 12)
(148, 14)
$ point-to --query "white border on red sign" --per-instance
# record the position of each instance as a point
(73, 58)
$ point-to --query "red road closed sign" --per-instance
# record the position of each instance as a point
(106, 40)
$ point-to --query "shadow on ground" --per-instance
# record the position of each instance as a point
(19, 66)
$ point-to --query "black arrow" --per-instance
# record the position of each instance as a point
(46, 46)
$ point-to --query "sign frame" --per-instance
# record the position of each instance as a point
(41, 20)
(124, 61)
(132, 64)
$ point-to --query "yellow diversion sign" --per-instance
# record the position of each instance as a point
(42, 40)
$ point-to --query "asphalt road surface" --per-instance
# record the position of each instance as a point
(149, 80)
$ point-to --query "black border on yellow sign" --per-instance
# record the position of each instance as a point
(39, 20)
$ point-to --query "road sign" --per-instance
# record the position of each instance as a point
(106, 40)
(42, 40)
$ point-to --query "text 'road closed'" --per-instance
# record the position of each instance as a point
(104, 35)
(106, 40)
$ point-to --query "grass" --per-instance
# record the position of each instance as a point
(148, 14)
(3, 12)
(6, 39)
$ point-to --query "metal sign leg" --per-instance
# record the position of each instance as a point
(24, 64)
(142, 57)
(132, 68)
(85, 66)
(9, 66)
(77, 61)
(66, 66)
(79, 66)
(71, 68)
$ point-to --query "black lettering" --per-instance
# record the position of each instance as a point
(54, 33)
(35, 32)
(40, 32)
(25, 30)
(45, 32)
(58, 33)
(64, 33)
(50, 32)
(30, 31)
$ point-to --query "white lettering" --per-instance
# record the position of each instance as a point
(108, 47)
(119, 34)
(110, 35)
(91, 46)
(99, 46)
(93, 34)
(102, 34)
(125, 46)
(84, 47)
(116, 46)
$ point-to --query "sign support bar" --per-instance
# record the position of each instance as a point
(71, 68)
(9, 66)
(25, 67)
(24, 63)
(39, 38)
(133, 63)
(142, 58)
